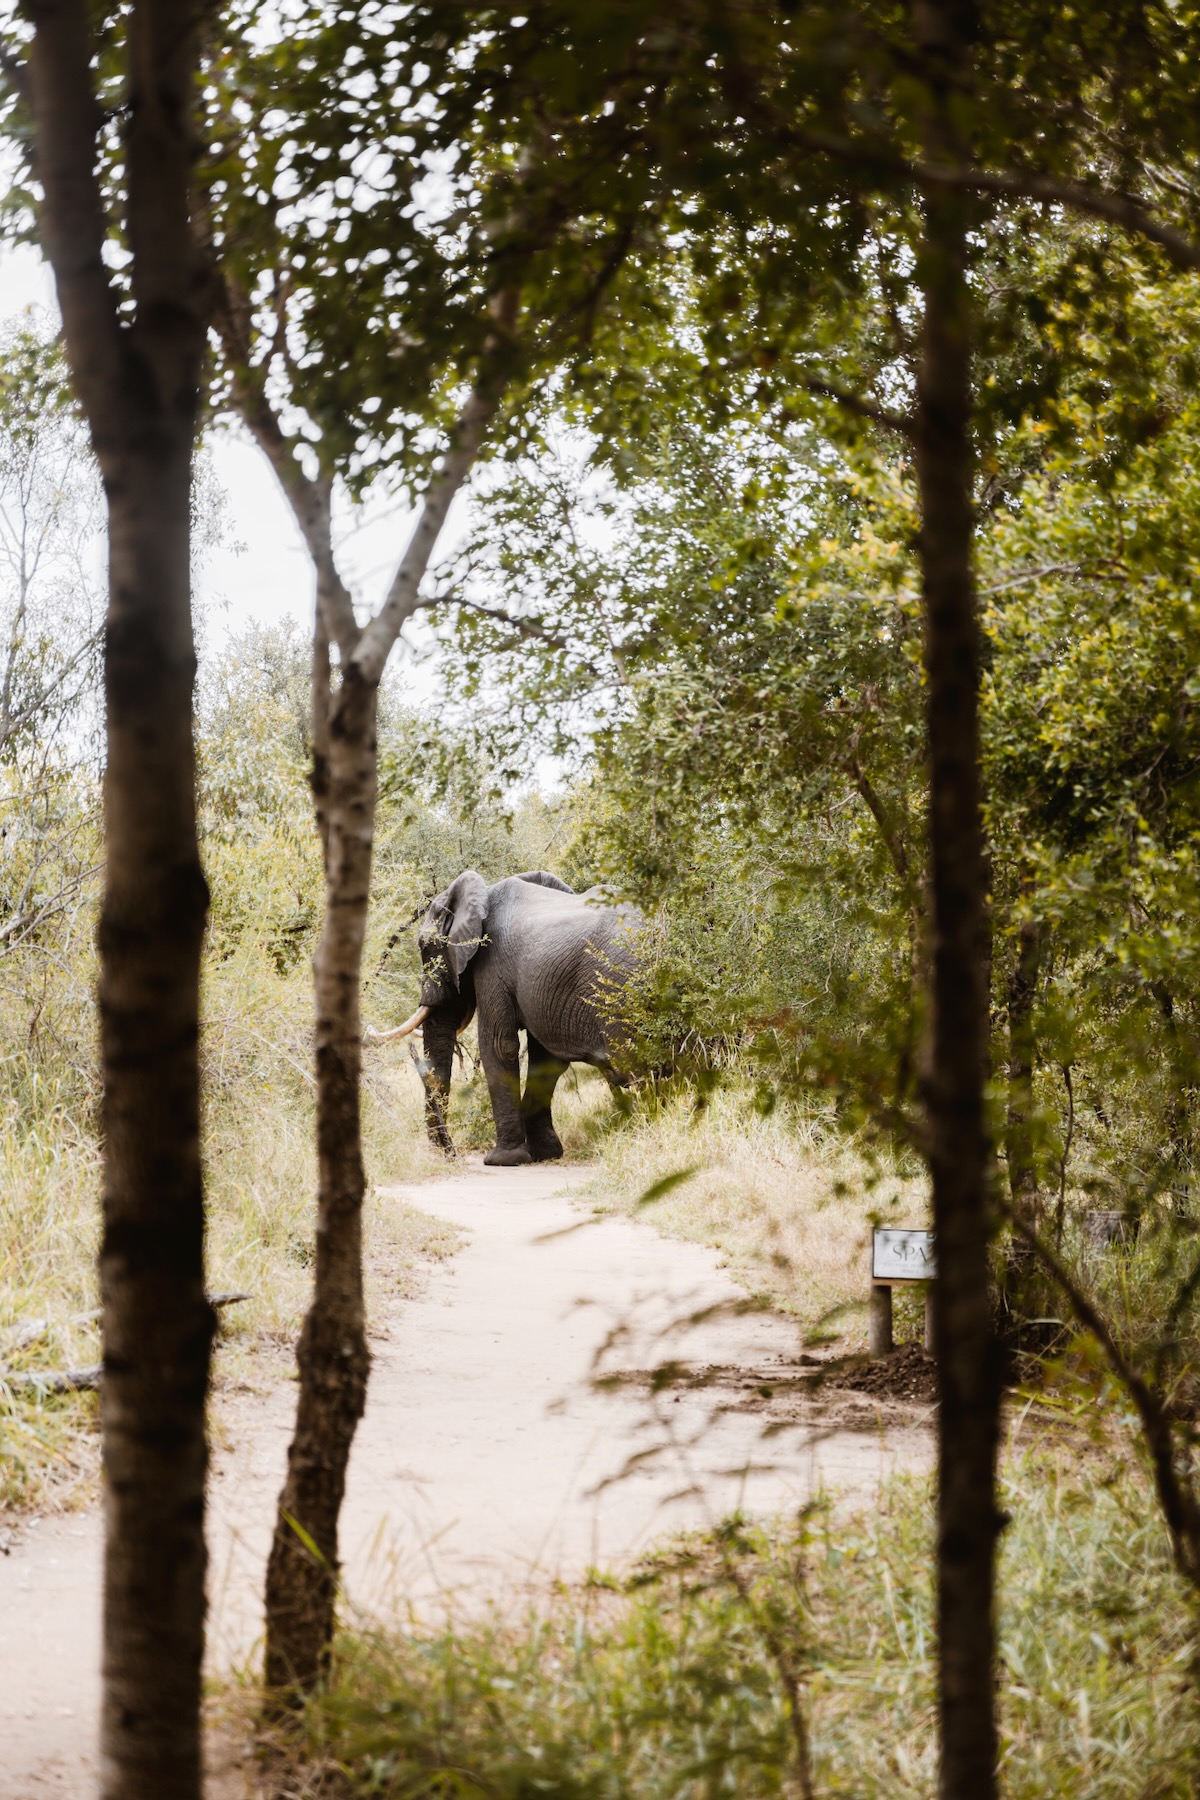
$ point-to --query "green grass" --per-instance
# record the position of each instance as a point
(687, 1680)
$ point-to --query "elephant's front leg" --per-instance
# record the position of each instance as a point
(540, 1082)
(499, 1051)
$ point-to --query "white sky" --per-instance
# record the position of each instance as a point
(261, 571)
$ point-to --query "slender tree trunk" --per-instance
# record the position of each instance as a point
(967, 1521)
(158, 1325)
(303, 1568)
(1022, 1060)
(1022, 1279)
(136, 369)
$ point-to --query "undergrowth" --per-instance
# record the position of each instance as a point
(260, 1168)
(726, 1661)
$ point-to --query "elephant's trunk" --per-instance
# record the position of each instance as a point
(438, 1037)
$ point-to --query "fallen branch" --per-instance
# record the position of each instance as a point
(69, 1381)
(56, 1381)
(24, 1336)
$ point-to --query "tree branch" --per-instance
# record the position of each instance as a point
(526, 627)
(311, 501)
(1125, 210)
(473, 422)
(1176, 1496)
(869, 795)
(860, 407)
(73, 224)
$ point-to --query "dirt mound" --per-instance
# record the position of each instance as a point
(907, 1374)
(842, 1391)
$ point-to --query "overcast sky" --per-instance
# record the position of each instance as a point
(261, 572)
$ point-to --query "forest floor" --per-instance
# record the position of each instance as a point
(520, 1428)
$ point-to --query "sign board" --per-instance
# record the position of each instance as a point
(898, 1255)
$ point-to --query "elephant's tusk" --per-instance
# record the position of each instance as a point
(405, 1030)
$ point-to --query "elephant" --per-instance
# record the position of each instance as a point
(528, 954)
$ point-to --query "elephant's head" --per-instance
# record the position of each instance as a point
(450, 934)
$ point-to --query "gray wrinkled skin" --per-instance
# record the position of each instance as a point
(527, 955)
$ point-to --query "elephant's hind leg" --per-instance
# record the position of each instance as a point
(540, 1082)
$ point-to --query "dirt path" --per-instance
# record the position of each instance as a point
(487, 1456)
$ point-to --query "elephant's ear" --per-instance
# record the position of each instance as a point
(541, 878)
(465, 904)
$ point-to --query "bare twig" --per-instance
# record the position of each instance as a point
(1061, 1208)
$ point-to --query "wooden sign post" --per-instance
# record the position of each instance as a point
(898, 1254)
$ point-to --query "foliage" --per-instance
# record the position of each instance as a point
(754, 695)
(673, 1681)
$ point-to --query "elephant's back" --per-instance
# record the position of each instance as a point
(568, 959)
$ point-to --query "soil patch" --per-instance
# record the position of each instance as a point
(852, 1393)
(908, 1374)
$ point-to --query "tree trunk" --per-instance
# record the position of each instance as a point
(1022, 1280)
(135, 366)
(968, 1417)
(158, 1326)
(1022, 1059)
(303, 1568)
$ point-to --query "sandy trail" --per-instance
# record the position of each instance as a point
(487, 1455)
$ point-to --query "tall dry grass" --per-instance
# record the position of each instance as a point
(260, 1169)
(259, 1142)
(787, 1199)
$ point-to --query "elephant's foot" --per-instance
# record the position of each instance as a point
(547, 1149)
(503, 1157)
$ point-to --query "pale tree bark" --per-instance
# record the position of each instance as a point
(956, 1130)
(137, 377)
(333, 1355)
